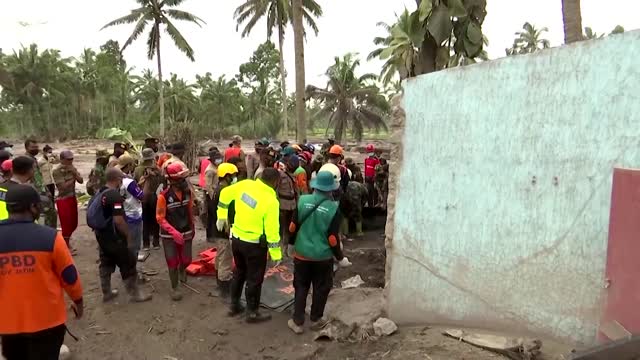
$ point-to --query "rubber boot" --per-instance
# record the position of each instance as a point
(225, 289)
(344, 226)
(183, 274)
(254, 316)
(176, 295)
(107, 293)
(135, 293)
(359, 231)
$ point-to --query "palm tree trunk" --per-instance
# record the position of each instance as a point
(298, 35)
(572, 17)
(283, 79)
(160, 85)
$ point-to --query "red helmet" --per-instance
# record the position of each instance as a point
(177, 171)
(371, 148)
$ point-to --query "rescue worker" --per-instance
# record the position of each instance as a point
(6, 170)
(288, 195)
(227, 175)
(300, 176)
(336, 154)
(152, 143)
(149, 178)
(351, 204)
(234, 149)
(210, 187)
(119, 149)
(175, 215)
(240, 164)
(176, 154)
(36, 270)
(267, 159)
(32, 150)
(46, 162)
(66, 176)
(315, 236)
(356, 172)
(253, 159)
(251, 209)
(382, 182)
(5, 146)
(97, 175)
(370, 164)
(114, 241)
(132, 195)
(21, 170)
(324, 150)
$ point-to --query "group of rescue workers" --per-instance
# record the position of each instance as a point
(275, 201)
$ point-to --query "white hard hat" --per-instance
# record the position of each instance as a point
(332, 168)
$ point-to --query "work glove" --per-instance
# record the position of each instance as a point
(220, 224)
(344, 262)
(177, 236)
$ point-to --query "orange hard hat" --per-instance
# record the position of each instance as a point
(177, 171)
(336, 150)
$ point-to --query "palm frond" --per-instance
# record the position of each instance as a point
(185, 16)
(170, 2)
(152, 41)
(137, 30)
(179, 40)
(127, 19)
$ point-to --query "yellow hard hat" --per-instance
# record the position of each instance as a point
(225, 169)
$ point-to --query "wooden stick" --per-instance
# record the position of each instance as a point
(190, 288)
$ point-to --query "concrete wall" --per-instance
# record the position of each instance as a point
(504, 187)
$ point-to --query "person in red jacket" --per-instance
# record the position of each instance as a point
(234, 149)
(370, 164)
(36, 269)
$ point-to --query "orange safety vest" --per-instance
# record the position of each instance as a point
(204, 164)
(231, 153)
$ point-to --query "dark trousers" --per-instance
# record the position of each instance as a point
(42, 345)
(251, 264)
(150, 227)
(114, 253)
(307, 273)
(372, 198)
(212, 207)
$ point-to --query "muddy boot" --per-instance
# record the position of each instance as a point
(135, 293)
(183, 274)
(107, 293)
(359, 232)
(176, 295)
(254, 315)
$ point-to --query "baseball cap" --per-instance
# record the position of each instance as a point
(66, 155)
(125, 160)
(6, 165)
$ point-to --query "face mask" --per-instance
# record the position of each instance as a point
(33, 152)
(183, 185)
(234, 180)
(217, 161)
(372, 154)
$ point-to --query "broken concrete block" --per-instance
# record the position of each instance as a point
(352, 282)
(384, 327)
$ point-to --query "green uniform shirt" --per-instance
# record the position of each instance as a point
(311, 240)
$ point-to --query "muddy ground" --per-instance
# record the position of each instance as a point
(198, 328)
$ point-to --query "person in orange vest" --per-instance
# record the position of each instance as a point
(35, 264)
(175, 215)
(234, 149)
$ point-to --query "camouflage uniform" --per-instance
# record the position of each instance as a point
(97, 178)
(48, 208)
(382, 183)
(356, 172)
(353, 202)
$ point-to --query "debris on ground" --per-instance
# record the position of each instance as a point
(384, 327)
(513, 348)
(352, 282)
(65, 353)
(354, 306)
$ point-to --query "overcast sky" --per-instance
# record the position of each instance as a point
(347, 26)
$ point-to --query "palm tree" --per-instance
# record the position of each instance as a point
(400, 48)
(572, 18)
(529, 40)
(157, 14)
(298, 43)
(279, 14)
(350, 100)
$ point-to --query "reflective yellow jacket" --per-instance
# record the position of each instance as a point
(4, 214)
(257, 212)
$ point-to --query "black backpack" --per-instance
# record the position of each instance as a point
(95, 213)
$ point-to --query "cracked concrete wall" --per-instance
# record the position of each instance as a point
(504, 185)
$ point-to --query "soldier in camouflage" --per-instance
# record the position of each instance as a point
(97, 178)
(382, 182)
(353, 202)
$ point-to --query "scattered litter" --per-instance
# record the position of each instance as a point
(205, 265)
(335, 331)
(352, 282)
(143, 256)
(384, 327)
(191, 288)
(513, 348)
